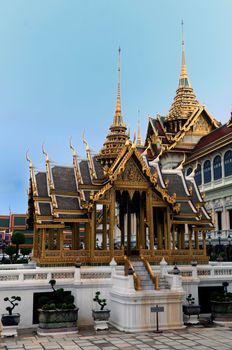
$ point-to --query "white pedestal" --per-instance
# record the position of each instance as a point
(131, 312)
(192, 319)
(9, 331)
(100, 325)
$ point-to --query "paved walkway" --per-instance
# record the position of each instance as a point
(218, 338)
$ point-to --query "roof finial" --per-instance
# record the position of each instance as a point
(118, 113)
(28, 159)
(184, 81)
(45, 153)
(72, 147)
(139, 139)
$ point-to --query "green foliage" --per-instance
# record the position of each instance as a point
(101, 302)
(13, 301)
(57, 300)
(190, 299)
(11, 251)
(222, 296)
(25, 251)
(18, 238)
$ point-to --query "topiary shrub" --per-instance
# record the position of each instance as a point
(57, 300)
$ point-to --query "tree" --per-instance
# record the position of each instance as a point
(25, 251)
(11, 251)
(18, 238)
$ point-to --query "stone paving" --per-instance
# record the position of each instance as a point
(199, 338)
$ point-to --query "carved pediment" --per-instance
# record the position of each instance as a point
(131, 173)
(202, 126)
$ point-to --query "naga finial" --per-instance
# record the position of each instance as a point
(72, 147)
(85, 142)
(28, 159)
(45, 153)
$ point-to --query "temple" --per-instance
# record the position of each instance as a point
(129, 201)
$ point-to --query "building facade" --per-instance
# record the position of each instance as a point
(142, 207)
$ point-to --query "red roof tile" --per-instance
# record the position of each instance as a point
(213, 136)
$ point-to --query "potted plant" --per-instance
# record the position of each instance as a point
(11, 320)
(191, 310)
(58, 313)
(221, 305)
(100, 315)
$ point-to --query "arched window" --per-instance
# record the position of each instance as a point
(189, 170)
(228, 163)
(217, 168)
(198, 175)
(207, 171)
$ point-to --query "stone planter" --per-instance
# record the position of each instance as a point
(191, 313)
(54, 321)
(221, 311)
(101, 318)
(10, 325)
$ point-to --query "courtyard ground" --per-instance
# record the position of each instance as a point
(199, 338)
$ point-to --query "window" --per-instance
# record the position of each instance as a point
(217, 168)
(228, 163)
(230, 219)
(198, 175)
(189, 170)
(207, 171)
(219, 220)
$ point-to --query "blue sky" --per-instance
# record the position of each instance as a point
(58, 73)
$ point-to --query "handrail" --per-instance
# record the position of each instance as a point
(128, 265)
(153, 277)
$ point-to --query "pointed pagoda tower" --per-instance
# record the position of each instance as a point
(185, 101)
(117, 136)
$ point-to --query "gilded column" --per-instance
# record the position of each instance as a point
(112, 218)
(141, 221)
(87, 235)
(104, 232)
(196, 240)
(159, 230)
(165, 229)
(190, 241)
(168, 229)
(150, 221)
(43, 242)
(92, 231)
(76, 236)
(204, 243)
(61, 241)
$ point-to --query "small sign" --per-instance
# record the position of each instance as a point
(157, 309)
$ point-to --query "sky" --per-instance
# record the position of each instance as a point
(58, 73)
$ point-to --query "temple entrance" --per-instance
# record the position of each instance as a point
(130, 220)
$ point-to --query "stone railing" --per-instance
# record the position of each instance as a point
(202, 272)
(66, 275)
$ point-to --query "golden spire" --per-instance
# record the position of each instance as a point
(117, 137)
(184, 80)
(118, 112)
(185, 101)
(139, 139)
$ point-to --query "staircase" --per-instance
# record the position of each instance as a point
(141, 271)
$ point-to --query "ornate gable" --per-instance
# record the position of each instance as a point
(201, 126)
(131, 175)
